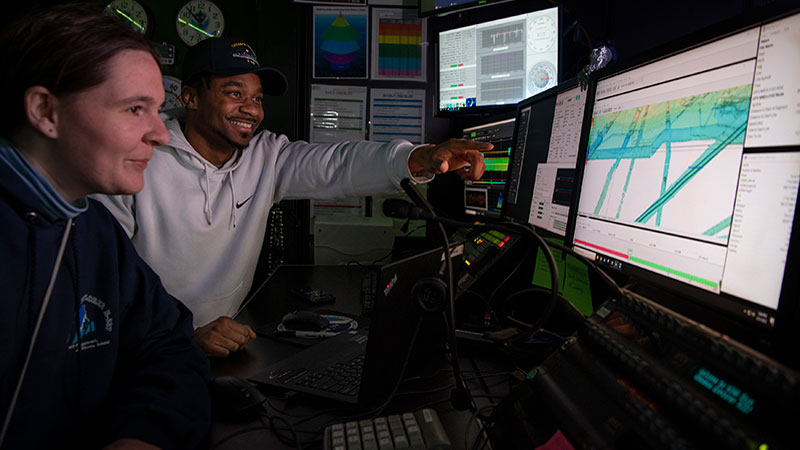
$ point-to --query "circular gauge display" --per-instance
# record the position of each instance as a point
(172, 93)
(541, 76)
(198, 20)
(542, 34)
(132, 14)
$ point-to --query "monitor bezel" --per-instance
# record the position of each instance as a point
(457, 8)
(466, 19)
(696, 303)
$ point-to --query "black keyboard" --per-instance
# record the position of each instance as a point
(341, 377)
(420, 430)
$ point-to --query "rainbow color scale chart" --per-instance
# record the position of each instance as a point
(400, 47)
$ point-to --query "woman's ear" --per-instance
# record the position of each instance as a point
(40, 109)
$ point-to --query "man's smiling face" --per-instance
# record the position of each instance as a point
(230, 109)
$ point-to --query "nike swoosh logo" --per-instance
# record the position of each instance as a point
(240, 204)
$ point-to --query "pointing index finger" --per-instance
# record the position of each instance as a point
(477, 145)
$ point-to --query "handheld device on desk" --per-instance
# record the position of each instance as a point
(420, 430)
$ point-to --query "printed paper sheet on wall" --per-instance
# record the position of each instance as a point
(340, 42)
(397, 114)
(337, 113)
(398, 50)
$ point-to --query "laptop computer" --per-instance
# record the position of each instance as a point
(363, 366)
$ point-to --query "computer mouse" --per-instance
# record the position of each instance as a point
(234, 397)
(304, 320)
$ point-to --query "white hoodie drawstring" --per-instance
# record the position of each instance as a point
(208, 195)
(233, 199)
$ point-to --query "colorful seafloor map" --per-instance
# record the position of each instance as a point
(672, 165)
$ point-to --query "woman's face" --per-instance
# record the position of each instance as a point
(106, 133)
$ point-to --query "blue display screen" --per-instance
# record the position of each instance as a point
(725, 391)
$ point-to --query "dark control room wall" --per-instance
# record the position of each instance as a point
(270, 26)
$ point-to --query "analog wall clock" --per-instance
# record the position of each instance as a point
(132, 13)
(198, 20)
(172, 93)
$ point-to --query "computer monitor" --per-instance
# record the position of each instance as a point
(484, 197)
(542, 172)
(498, 62)
(436, 7)
(691, 176)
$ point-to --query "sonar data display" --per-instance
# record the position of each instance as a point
(692, 166)
(498, 62)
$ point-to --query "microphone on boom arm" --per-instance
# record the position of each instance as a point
(398, 208)
(460, 397)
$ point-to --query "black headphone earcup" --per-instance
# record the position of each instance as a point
(430, 295)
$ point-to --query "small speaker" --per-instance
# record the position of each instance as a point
(430, 295)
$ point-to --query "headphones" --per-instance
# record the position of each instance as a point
(430, 295)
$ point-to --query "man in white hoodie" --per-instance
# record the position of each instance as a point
(200, 219)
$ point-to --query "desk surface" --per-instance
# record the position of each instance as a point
(268, 304)
(272, 300)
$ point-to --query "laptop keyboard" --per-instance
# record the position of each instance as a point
(341, 377)
(420, 430)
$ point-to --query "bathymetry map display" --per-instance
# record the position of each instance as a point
(680, 156)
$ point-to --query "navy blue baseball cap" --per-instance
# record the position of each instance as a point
(230, 56)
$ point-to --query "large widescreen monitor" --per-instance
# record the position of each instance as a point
(438, 7)
(498, 62)
(544, 157)
(484, 197)
(691, 174)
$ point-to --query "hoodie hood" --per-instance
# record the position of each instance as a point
(42, 194)
(190, 158)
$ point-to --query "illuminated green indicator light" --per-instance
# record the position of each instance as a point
(763, 447)
(195, 28)
(129, 19)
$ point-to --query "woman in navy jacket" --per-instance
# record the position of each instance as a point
(93, 351)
